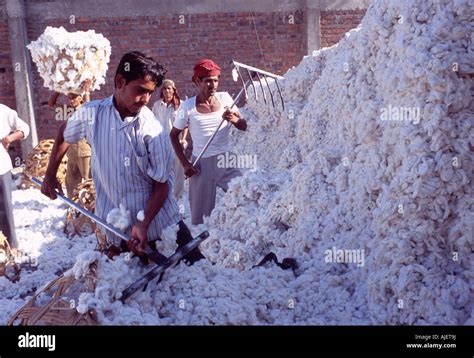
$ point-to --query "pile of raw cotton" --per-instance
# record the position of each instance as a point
(366, 177)
(66, 59)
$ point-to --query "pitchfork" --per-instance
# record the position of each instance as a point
(252, 72)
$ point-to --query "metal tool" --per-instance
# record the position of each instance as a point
(156, 271)
(85, 212)
(251, 73)
(155, 256)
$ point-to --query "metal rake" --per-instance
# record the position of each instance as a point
(253, 74)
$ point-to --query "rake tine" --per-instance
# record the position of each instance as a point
(253, 85)
(269, 90)
(254, 69)
(243, 83)
(235, 74)
(281, 96)
(261, 86)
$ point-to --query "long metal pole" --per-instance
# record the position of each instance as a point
(85, 212)
(217, 130)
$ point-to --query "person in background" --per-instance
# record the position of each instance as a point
(12, 128)
(165, 111)
(79, 154)
(203, 114)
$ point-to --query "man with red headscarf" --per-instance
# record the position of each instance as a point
(202, 114)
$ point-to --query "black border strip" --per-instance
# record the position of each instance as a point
(349, 339)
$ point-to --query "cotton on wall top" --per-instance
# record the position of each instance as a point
(66, 59)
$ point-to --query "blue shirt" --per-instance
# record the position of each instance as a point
(127, 157)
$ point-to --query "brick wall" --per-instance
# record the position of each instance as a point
(275, 45)
(7, 91)
(334, 24)
(266, 40)
(7, 87)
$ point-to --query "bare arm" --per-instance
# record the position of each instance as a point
(183, 141)
(53, 99)
(16, 135)
(240, 124)
(185, 133)
(189, 169)
(87, 87)
(60, 148)
(156, 201)
(174, 137)
(236, 119)
(139, 238)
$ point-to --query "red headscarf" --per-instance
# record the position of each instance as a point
(206, 68)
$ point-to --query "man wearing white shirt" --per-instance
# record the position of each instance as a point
(165, 111)
(165, 108)
(203, 114)
(12, 128)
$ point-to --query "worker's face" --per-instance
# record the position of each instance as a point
(208, 85)
(168, 93)
(74, 100)
(134, 95)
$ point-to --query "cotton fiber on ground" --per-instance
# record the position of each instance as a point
(371, 159)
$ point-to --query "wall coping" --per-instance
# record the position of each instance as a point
(109, 8)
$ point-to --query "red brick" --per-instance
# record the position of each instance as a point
(221, 36)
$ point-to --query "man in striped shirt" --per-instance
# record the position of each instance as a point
(131, 153)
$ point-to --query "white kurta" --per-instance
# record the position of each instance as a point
(164, 113)
(9, 122)
(202, 125)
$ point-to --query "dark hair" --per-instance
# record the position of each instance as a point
(176, 101)
(136, 65)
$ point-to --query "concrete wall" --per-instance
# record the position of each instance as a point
(7, 94)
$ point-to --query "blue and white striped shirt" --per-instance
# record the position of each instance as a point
(127, 157)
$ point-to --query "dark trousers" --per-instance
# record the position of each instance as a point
(7, 225)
